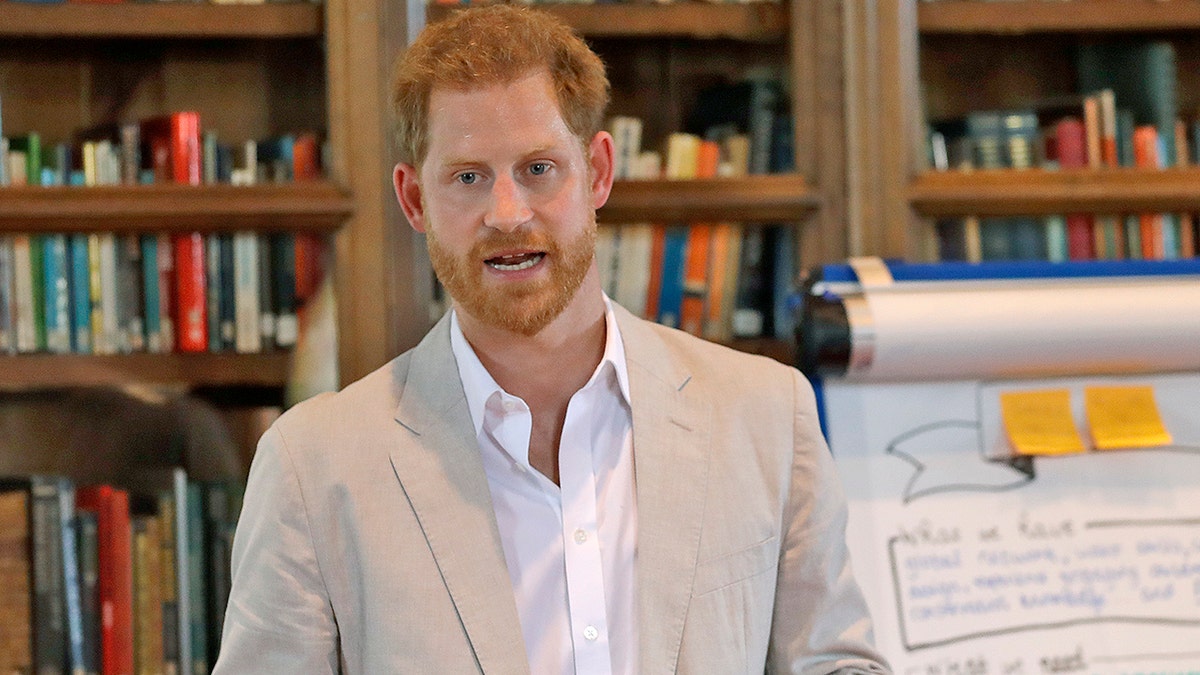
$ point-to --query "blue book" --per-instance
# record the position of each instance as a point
(150, 294)
(670, 296)
(81, 297)
(56, 293)
(71, 584)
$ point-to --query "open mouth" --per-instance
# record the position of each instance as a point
(515, 262)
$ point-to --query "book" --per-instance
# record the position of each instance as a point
(115, 569)
(46, 583)
(16, 576)
(147, 595)
(1142, 76)
(246, 293)
(985, 128)
(283, 274)
(174, 148)
(80, 294)
(1071, 144)
(190, 284)
(23, 294)
(89, 588)
(8, 342)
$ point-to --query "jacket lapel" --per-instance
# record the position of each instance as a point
(670, 451)
(443, 477)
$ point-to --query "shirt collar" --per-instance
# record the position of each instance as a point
(479, 385)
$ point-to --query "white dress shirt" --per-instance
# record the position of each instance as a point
(570, 551)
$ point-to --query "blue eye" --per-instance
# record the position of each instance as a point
(539, 168)
(468, 177)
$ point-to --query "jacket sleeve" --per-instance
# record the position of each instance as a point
(821, 624)
(279, 618)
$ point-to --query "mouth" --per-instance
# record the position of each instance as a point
(515, 262)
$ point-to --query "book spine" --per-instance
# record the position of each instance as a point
(49, 596)
(72, 589)
(89, 589)
(26, 333)
(670, 298)
(266, 302)
(191, 315)
(152, 319)
(110, 292)
(283, 269)
(166, 291)
(212, 290)
(57, 294)
(81, 297)
(246, 293)
(8, 338)
(133, 309)
(37, 267)
(227, 302)
(186, 160)
(197, 612)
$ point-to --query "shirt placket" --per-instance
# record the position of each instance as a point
(581, 543)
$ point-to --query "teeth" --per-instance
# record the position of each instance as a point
(524, 265)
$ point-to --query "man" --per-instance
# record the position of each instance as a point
(546, 483)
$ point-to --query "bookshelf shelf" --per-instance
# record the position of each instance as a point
(785, 197)
(1063, 16)
(1003, 193)
(296, 207)
(160, 20)
(749, 22)
(43, 371)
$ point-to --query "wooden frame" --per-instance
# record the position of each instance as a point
(160, 20)
(1041, 16)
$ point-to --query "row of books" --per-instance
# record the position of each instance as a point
(110, 293)
(747, 122)
(1126, 117)
(719, 281)
(164, 149)
(97, 579)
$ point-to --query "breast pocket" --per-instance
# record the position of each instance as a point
(730, 568)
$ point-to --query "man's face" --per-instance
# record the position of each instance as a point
(507, 203)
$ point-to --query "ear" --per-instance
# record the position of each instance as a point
(600, 158)
(408, 193)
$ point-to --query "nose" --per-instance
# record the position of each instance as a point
(508, 208)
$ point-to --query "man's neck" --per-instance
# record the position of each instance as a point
(547, 368)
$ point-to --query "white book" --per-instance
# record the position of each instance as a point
(110, 326)
(23, 294)
(633, 252)
(8, 343)
(248, 338)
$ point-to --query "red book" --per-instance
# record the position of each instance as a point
(191, 296)
(174, 143)
(115, 570)
(306, 163)
(1070, 142)
(657, 246)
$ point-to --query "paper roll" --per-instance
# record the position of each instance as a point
(1043, 327)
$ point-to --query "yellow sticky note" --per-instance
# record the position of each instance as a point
(1040, 422)
(1124, 417)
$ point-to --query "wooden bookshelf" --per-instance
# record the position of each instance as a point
(783, 197)
(160, 20)
(748, 22)
(318, 206)
(48, 371)
(1036, 192)
(1058, 16)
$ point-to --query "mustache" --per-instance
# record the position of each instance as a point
(497, 242)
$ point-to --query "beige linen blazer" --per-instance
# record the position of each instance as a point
(367, 542)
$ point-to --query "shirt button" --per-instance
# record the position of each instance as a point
(591, 633)
(580, 536)
(510, 405)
